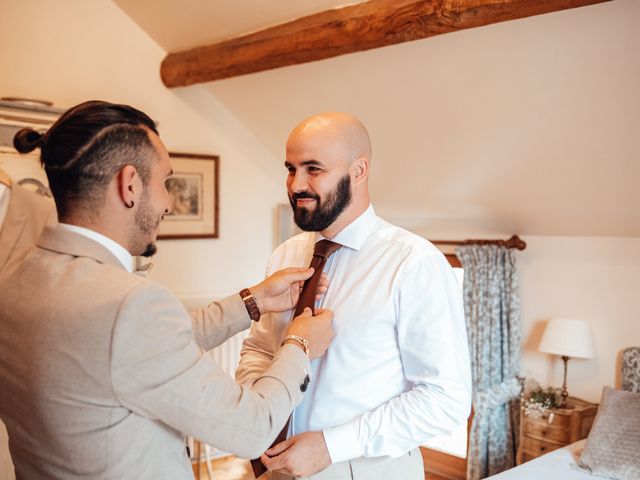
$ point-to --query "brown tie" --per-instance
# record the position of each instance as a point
(321, 252)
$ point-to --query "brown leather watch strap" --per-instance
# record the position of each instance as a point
(250, 303)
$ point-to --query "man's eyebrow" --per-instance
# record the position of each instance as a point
(306, 163)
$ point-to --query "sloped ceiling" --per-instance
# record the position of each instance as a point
(529, 127)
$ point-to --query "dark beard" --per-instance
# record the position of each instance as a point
(150, 251)
(147, 223)
(325, 212)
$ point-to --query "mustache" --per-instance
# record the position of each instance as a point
(299, 195)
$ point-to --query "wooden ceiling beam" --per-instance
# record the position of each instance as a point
(349, 29)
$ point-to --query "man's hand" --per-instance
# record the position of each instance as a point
(300, 456)
(317, 330)
(280, 291)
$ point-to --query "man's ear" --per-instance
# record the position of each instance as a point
(360, 169)
(129, 185)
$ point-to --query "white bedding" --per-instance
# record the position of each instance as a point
(557, 465)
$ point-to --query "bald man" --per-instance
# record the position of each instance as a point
(398, 370)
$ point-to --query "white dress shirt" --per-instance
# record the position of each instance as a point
(114, 247)
(397, 372)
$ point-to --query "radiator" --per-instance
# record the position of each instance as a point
(227, 355)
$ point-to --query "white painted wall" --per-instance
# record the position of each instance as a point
(73, 50)
(592, 279)
(510, 128)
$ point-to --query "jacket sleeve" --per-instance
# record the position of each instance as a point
(159, 371)
(219, 321)
(259, 348)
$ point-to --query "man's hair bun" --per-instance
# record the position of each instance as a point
(27, 140)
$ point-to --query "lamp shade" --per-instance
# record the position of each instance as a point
(567, 337)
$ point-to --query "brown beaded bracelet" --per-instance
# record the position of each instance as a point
(250, 303)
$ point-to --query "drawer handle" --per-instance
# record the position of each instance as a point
(542, 448)
(544, 433)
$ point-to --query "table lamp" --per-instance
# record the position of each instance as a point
(567, 338)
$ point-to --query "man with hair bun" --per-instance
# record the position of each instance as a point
(103, 372)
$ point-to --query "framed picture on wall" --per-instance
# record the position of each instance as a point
(193, 188)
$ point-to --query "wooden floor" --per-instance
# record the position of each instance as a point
(433, 476)
(227, 468)
(232, 468)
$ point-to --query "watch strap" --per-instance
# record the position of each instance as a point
(250, 304)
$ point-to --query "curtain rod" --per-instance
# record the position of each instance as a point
(513, 242)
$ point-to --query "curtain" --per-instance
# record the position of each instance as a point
(492, 312)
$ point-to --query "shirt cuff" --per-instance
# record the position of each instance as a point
(342, 442)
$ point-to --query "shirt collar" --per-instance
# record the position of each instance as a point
(356, 233)
(118, 250)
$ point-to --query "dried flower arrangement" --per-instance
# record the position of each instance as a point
(536, 400)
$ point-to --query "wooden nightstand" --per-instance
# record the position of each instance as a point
(561, 427)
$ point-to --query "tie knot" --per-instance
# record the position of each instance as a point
(325, 248)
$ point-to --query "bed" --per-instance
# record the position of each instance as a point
(562, 464)
(559, 464)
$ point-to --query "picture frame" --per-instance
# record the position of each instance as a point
(194, 189)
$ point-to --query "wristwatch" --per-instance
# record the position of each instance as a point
(302, 341)
(250, 304)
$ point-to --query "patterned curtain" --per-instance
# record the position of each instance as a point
(631, 369)
(492, 311)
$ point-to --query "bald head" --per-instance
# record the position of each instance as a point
(342, 130)
(328, 162)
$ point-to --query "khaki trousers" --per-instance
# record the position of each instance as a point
(407, 467)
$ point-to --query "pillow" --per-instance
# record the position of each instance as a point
(613, 445)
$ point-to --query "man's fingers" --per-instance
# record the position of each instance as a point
(307, 312)
(268, 462)
(272, 463)
(323, 285)
(322, 312)
(279, 448)
(296, 274)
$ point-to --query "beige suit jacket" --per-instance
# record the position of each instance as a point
(103, 372)
(27, 216)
